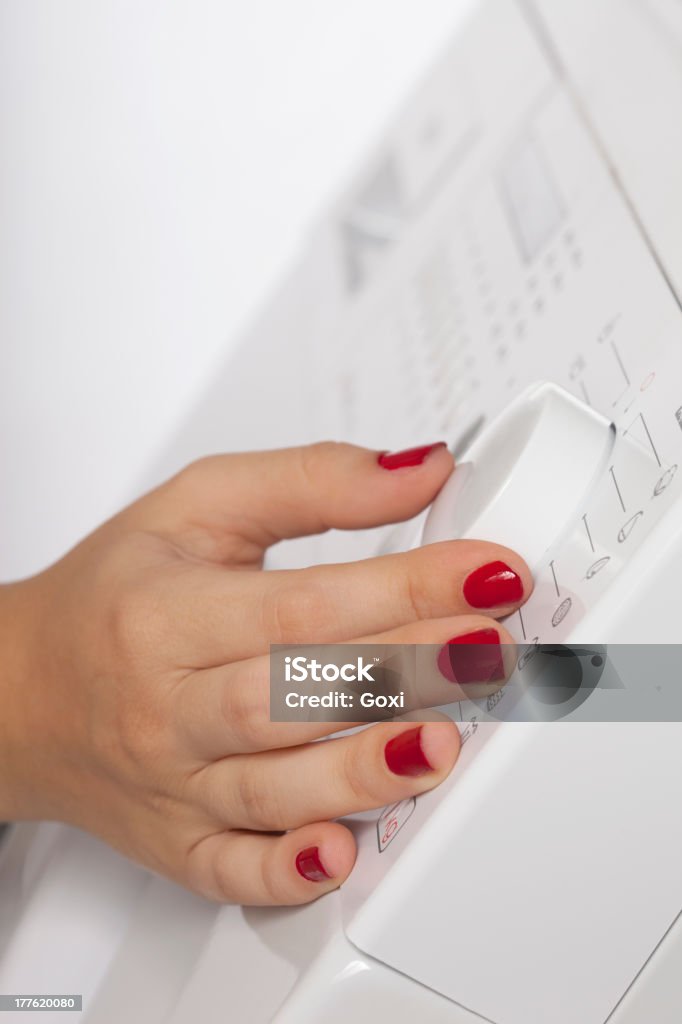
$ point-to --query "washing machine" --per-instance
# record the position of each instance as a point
(504, 271)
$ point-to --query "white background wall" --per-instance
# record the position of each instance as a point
(160, 160)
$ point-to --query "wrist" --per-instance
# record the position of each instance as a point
(18, 696)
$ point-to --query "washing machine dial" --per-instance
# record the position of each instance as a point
(524, 478)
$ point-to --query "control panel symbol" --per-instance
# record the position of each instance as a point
(562, 611)
(597, 567)
(392, 819)
(665, 481)
(627, 528)
(529, 653)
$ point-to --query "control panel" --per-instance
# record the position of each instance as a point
(528, 323)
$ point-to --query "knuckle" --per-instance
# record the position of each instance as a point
(140, 739)
(196, 482)
(131, 738)
(364, 786)
(292, 612)
(256, 797)
(416, 595)
(194, 472)
(243, 712)
(272, 878)
(315, 457)
(218, 883)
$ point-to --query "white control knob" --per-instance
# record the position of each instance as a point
(524, 479)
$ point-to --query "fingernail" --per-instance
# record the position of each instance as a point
(309, 865)
(492, 585)
(474, 657)
(408, 457)
(404, 754)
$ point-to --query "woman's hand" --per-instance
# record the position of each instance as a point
(135, 685)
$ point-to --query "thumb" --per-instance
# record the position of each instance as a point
(268, 496)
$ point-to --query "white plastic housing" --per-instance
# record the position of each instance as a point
(546, 446)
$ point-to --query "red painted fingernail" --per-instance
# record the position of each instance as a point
(309, 865)
(404, 754)
(409, 457)
(492, 585)
(474, 657)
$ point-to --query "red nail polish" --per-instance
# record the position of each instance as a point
(409, 457)
(492, 585)
(474, 657)
(309, 865)
(404, 754)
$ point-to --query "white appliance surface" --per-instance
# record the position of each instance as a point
(162, 163)
(515, 225)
